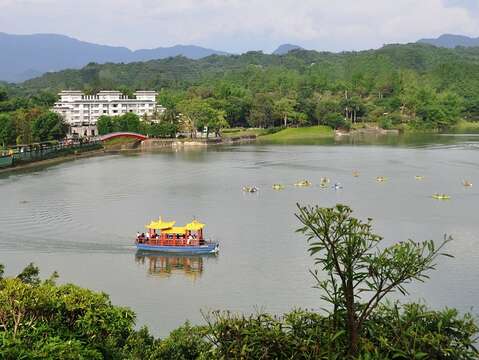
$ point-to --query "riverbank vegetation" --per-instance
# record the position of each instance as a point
(40, 319)
(27, 126)
(414, 86)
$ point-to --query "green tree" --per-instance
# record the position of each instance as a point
(163, 130)
(3, 94)
(357, 273)
(8, 133)
(261, 113)
(129, 122)
(49, 126)
(285, 108)
(353, 107)
(105, 125)
(327, 109)
(197, 114)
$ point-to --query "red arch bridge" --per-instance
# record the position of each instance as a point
(123, 135)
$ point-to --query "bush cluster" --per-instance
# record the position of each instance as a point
(42, 320)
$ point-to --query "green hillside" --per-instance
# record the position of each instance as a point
(413, 85)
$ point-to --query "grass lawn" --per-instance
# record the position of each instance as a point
(119, 141)
(234, 132)
(304, 133)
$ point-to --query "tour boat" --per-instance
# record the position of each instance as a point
(164, 236)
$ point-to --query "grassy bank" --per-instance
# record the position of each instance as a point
(119, 141)
(295, 134)
(464, 126)
(238, 132)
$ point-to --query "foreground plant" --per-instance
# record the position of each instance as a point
(358, 273)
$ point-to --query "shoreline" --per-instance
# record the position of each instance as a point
(147, 145)
(53, 161)
(156, 144)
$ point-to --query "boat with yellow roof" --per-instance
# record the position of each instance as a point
(164, 236)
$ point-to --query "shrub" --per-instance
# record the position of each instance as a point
(186, 342)
(411, 331)
(385, 123)
(336, 121)
(163, 130)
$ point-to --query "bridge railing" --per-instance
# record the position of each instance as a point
(122, 134)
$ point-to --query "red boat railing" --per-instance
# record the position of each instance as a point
(171, 242)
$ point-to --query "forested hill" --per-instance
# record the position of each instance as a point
(451, 68)
(398, 85)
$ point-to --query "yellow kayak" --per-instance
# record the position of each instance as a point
(419, 177)
(381, 179)
(356, 173)
(278, 187)
(441, 197)
(250, 189)
(303, 183)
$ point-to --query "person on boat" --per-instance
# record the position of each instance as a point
(188, 242)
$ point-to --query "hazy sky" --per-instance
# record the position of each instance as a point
(240, 25)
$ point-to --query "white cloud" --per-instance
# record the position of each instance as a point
(239, 25)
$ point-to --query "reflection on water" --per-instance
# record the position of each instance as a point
(166, 265)
(413, 139)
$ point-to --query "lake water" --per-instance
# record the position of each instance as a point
(80, 218)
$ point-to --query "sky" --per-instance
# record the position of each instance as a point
(240, 25)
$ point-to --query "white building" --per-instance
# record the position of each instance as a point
(82, 111)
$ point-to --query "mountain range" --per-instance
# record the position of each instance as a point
(451, 41)
(28, 56)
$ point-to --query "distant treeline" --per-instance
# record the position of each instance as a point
(413, 85)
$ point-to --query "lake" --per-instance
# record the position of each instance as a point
(80, 218)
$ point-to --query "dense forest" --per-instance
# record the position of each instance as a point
(414, 85)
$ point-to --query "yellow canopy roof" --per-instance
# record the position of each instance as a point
(195, 225)
(160, 224)
(175, 230)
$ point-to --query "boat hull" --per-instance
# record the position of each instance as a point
(203, 249)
